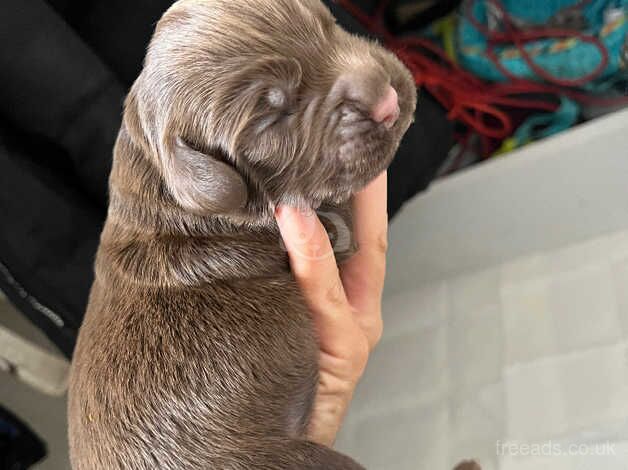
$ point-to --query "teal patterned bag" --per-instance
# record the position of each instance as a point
(599, 27)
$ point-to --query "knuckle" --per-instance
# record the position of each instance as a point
(381, 244)
(378, 245)
(334, 294)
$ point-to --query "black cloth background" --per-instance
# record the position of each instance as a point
(65, 66)
(20, 448)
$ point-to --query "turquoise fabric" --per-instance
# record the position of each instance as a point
(544, 125)
(576, 60)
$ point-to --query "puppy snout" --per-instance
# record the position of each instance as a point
(368, 89)
(386, 109)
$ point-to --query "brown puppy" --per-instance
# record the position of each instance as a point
(197, 350)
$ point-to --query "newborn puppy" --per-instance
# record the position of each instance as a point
(197, 350)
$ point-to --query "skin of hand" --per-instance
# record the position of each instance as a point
(345, 303)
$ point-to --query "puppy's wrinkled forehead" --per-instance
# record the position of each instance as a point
(288, 27)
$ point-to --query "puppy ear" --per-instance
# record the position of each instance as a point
(202, 183)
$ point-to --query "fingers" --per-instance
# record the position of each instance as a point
(314, 267)
(343, 345)
(354, 294)
(363, 275)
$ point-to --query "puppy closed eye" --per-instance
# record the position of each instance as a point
(276, 108)
(282, 102)
(277, 98)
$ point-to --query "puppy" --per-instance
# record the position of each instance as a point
(197, 350)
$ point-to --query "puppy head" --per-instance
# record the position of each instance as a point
(245, 101)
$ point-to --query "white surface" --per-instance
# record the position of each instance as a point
(568, 188)
(506, 317)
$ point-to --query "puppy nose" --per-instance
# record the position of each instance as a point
(386, 110)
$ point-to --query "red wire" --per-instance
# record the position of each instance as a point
(470, 100)
(520, 38)
(459, 91)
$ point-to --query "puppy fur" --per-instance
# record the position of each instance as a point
(197, 350)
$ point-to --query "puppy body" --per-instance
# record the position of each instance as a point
(197, 349)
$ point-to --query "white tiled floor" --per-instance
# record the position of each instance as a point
(532, 351)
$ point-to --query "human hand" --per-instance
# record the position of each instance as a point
(345, 303)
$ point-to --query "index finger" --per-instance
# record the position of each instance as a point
(314, 267)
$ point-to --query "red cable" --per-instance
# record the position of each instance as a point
(520, 38)
(459, 91)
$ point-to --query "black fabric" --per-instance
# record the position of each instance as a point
(66, 66)
(20, 448)
(429, 11)
(55, 87)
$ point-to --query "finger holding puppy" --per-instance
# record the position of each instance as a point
(314, 266)
(363, 275)
(342, 342)
(345, 304)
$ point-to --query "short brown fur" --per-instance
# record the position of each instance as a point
(197, 350)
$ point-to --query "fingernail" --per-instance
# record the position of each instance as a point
(296, 226)
(282, 213)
